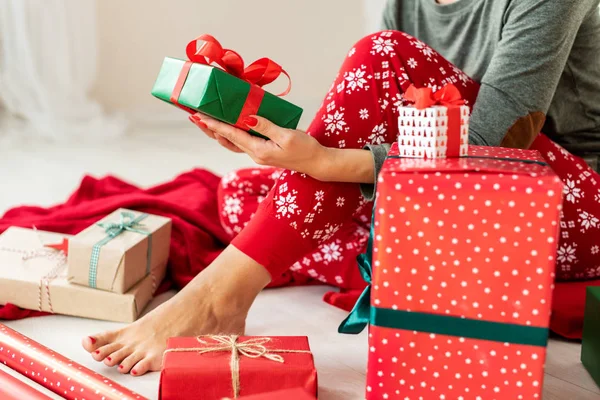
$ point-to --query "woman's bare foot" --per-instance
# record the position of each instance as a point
(216, 301)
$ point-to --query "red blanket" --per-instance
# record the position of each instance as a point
(190, 200)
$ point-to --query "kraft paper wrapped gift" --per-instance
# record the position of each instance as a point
(34, 277)
(120, 250)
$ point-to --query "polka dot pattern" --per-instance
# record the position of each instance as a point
(55, 372)
(412, 365)
(472, 238)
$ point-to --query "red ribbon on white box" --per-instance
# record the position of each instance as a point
(448, 96)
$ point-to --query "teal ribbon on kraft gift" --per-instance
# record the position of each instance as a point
(128, 222)
(363, 313)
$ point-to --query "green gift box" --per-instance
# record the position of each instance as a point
(590, 349)
(196, 85)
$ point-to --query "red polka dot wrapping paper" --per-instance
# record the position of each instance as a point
(12, 388)
(473, 238)
(55, 372)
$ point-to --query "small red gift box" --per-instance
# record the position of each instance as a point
(463, 260)
(216, 367)
(291, 394)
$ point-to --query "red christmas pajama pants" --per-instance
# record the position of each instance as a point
(286, 219)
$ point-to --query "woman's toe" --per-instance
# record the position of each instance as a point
(118, 355)
(93, 343)
(132, 359)
(105, 351)
(144, 365)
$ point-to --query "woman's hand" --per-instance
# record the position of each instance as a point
(287, 148)
(291, 149)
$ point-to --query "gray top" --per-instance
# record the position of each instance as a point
(529, 55)
(379, 152)
(538, 62)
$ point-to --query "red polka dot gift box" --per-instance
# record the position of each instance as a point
(462, 257)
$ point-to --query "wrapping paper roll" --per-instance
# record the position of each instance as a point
(13, 389)
(55, 372)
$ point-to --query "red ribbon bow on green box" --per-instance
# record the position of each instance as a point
(261, 72)
(215, 81)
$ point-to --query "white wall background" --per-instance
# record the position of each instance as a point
(373, 10)
(309, 38)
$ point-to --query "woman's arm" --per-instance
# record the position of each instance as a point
(346, 165)
(296, 151)
(521, 80)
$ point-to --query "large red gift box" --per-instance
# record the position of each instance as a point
(216, 367)
(463, 268)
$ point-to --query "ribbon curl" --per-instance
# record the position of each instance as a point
(424, 97)
(261, 72)
(251, 348)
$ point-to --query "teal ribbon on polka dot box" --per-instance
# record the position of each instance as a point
(120, 250)
(460, 267)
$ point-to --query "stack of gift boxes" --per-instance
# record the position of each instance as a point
(462, 255)
(108, 271)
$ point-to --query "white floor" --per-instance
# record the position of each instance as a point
(43, 174)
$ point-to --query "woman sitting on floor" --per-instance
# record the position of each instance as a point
(523, 66)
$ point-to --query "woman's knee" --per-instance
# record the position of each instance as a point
(248, 182)
(228, 183)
